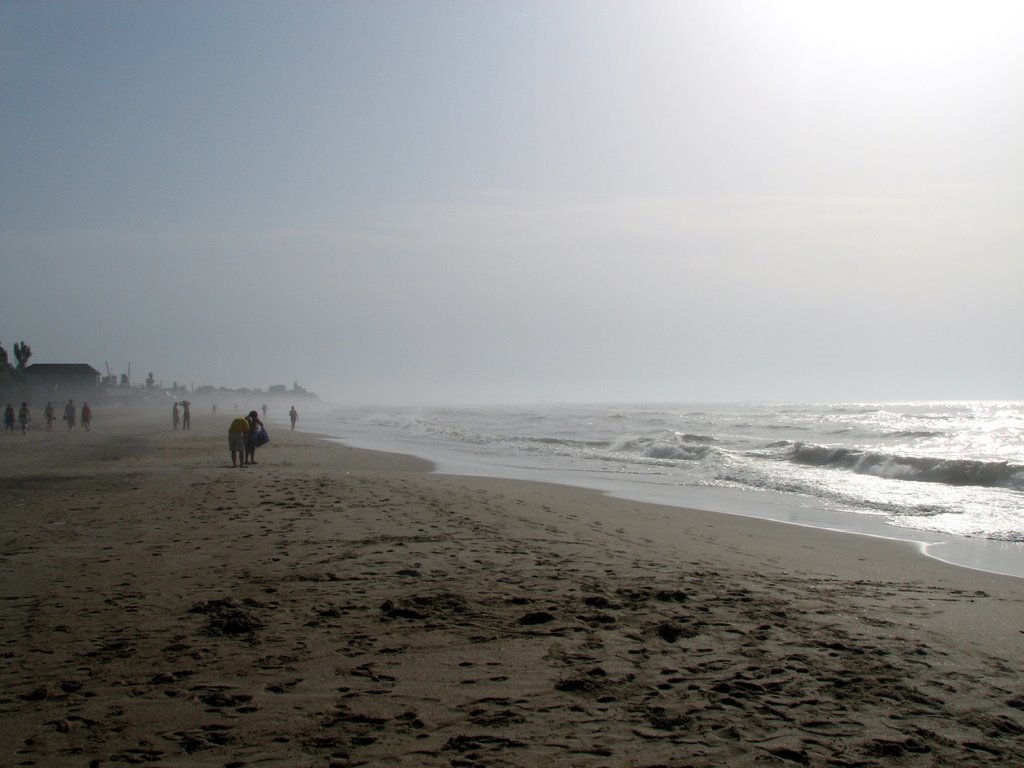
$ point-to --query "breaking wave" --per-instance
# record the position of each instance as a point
(678, 448)
(987, 474)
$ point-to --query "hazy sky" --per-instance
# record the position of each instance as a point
(529, 200)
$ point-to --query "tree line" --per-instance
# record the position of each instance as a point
(22, 352)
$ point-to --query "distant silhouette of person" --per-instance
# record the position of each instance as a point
(294, 416)
(214, 409)
(176, 416)
(9, 419)
(186, 416)
(238, 437)
(69, 414)
(86, 416)
(264, 410)
(24, 418)
(49, 414)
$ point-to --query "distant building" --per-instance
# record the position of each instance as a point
(62, 377)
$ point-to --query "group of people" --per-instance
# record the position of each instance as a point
(245, 435)
(182, 416)
(24, 416)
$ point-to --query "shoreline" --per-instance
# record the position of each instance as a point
(1005, 558)
(343, 607)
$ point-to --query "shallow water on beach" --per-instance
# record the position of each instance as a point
(925, 471)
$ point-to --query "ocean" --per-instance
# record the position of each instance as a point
(949, 475)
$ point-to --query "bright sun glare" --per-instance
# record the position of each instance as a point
(910, 41)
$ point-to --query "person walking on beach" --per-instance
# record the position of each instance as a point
(176, 417)
(238, 437)
(294, 416)
(24, 418)
(86, 416)
(69, 414)
(264, 410)
(49, 414)
(9, 419)
(255, 430)
(186, 417)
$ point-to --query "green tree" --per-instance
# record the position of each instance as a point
(5, 361)
(22, 352)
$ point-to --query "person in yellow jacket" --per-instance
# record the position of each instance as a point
(238, 439)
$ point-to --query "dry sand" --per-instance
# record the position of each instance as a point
(333, 607)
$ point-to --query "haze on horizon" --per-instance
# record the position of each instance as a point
(445, 202)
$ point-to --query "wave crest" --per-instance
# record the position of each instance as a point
(677, 448)
(987, 474)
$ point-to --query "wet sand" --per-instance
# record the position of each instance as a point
(334, 607)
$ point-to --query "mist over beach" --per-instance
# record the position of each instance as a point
(641, 383)
(467, 203)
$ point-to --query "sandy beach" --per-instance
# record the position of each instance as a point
(335, 607)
